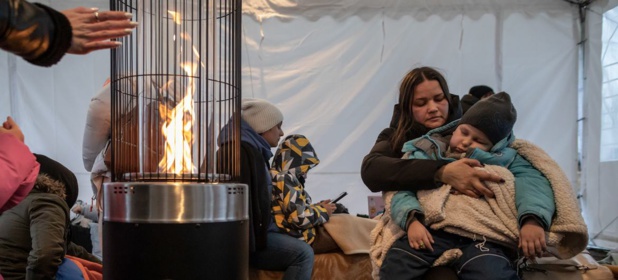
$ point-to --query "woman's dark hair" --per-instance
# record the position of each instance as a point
(406, 97)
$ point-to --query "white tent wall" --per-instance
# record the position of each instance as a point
(334, 68)
(335, 73)
(599, 189)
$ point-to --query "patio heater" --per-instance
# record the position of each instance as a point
(170, 212)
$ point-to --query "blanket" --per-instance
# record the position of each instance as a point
(351, 233)
(496, 218)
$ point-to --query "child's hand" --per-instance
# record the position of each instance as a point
(11, 127)
(532, 239)
(419, 237)
(330, 207)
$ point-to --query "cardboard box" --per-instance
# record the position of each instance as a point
(375, 205)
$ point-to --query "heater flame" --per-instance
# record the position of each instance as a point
(177, 125)
(176, 17)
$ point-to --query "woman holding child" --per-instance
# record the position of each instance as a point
(477, 237)
(425, 103)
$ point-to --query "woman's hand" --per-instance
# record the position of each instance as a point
(11, 127)
(419, 237)
(466, 179)
(532, 239)
(92, 30)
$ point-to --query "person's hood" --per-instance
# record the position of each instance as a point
(295, 154)
(58, 172)
(46, 184)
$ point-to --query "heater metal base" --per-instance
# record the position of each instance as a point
(175, 231)
(176, 251)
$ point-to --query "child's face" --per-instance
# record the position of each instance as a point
(467, 137)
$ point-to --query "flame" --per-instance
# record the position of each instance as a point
(177, 125)
(176, 17)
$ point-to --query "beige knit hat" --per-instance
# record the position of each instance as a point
(260, 114)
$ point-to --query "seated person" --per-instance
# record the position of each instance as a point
(292, 208)
(483, 133)
(260, 130)
(34, 236)
(475, 94)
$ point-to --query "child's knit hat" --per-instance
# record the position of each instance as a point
(494, 116)
(260, 114)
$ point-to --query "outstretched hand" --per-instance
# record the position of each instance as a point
(466, 179)
(92, 30)
(11, 127)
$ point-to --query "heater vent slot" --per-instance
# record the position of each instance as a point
(235, 191)
(124, 190)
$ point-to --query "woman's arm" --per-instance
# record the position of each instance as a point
(18, 170)
(37, 33)
(384, 170)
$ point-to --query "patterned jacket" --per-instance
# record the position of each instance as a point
(292, 208)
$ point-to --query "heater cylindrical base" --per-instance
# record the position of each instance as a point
(175, 231)
(176, 251)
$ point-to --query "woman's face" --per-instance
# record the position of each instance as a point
(273, 135)
(429, 106)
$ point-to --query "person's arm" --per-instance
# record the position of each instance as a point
(290, 200)
(18, 166)
(534, 197)
(81, 252)
(42, 35)
(404, 206)
(384, 170)
(98, 127)
(39, 34)
(47, 230)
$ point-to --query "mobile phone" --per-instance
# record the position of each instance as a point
(339, 197)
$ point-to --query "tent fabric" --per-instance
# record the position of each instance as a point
(599, 189)
(334, 67)
(419, 9)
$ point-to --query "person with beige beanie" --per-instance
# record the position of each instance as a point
(260, 130)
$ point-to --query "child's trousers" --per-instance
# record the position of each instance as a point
(480, 260)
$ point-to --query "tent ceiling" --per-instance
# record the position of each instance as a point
(341, 9)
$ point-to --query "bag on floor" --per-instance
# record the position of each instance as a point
(580, 267)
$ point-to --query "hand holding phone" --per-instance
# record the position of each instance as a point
(339, 197)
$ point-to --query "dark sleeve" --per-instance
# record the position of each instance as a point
(384, 170)
(81, 252)
(249, 173)
(39, 34)
(48, 219)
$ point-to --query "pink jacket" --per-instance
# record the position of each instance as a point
(18, 171)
